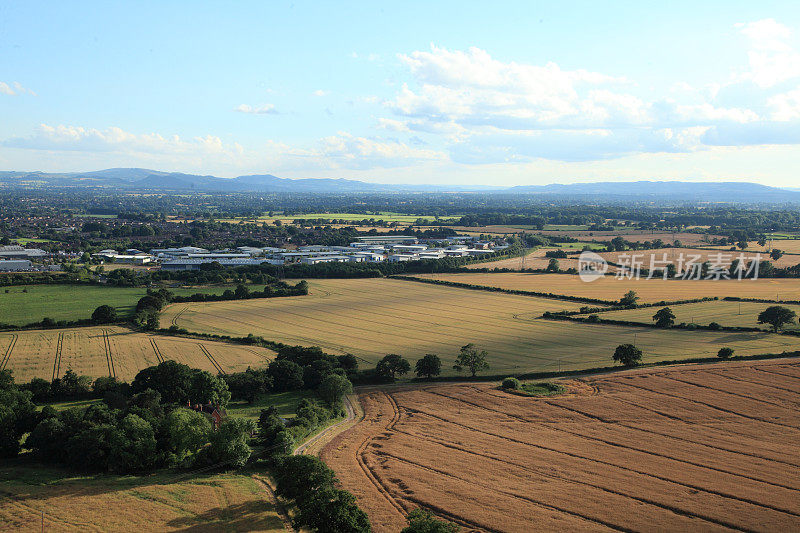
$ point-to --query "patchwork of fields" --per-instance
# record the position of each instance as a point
(116, 351)
(610, 288)
(373, 317)
(34, 498)
(702, 448)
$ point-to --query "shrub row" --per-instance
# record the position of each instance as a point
(518, 292)
(594, 319)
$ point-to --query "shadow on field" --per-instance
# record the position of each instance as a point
(246, 516)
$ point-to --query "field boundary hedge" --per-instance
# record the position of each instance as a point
(634, 323)
(519, 292)
(607, 369)
(760, 300)
(618, 307)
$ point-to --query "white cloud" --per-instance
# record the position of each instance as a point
(506, 111)
(772, 57)
(320, 92)
(392, 125)
(785, 106)
(75, 138)
(14, 89)
(264, 109)
(347, 151)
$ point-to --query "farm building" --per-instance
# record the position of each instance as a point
(14, 251)
(14, 265)
(388, 239)
(194, 264)
(215, 413)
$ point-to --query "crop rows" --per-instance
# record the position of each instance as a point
(710, 448)
(117, 352)
(370, 318)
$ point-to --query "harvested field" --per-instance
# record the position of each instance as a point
(373, 317)
(116, 351)
(35, 497)
(700, 448)
(653, 290)
(676, 256)
(680, 256)
(693, 239)
(738, 314)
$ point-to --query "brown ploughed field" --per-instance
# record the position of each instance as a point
(696, 448)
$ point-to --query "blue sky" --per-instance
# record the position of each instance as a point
(412, 92)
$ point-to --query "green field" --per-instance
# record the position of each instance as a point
(383, 215)
(23, 242)
(374, 317)
(565, 227)
(74, 302)
(284, 402)
(734, 314)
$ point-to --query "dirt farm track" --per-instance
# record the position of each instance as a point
(695, 448)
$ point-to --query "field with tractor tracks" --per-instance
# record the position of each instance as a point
(115, 351)
(695, 448)
(374, 317)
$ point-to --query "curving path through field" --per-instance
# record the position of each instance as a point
(696, 447)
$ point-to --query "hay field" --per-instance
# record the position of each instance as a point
(680, 256)
(160, 502)
(373, 317)
(677, 256)
(104, 351)
(739, 314)
(653, 290)
(632, 235)
(701, 448)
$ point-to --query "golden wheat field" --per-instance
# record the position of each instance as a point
(115, 351)
(696, 448)
(610, 288)
(736, 314)
(373, 317)
(37, 498)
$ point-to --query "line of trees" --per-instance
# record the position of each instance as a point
(137, 428)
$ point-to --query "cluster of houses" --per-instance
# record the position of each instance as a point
(367, 249)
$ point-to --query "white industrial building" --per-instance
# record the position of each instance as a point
(15, 265)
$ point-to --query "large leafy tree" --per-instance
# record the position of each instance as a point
(470, 358)
(286, 375)
(180, 384)
(664, 318)
(423, 521)
(334, 388)
(391, 366)
(776, 316)
(628, 355)
(133, 447)
(629, 299)
(429, 366)
(17, 415)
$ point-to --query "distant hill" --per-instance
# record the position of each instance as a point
(679, 190)
(146, 180)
